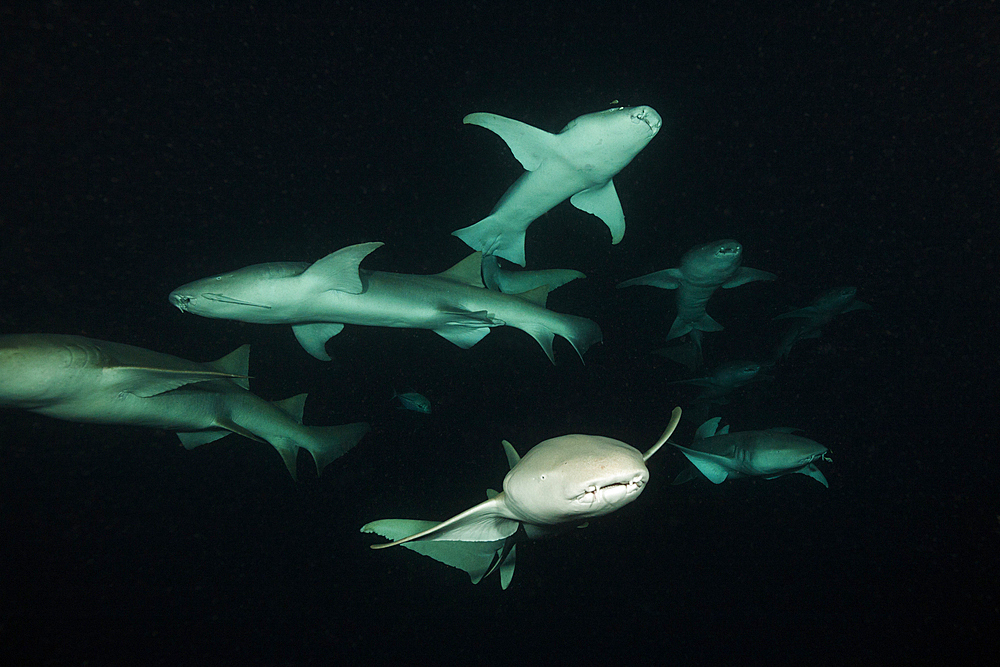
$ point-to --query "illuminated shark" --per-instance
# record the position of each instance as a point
(719, 455)
(576, 164)
(703, 270)
(85, 380)
(319, 299)
(725, 379)
(560, 483)
(811, 319)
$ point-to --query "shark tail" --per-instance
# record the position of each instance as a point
(703, 323)
(579, 331)
(688, 354)
(493, 236)
(325, 443)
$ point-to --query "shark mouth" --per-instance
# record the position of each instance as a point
(611, 494)
(649, 119)
(180, 301)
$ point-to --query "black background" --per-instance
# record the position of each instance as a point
(148, 144)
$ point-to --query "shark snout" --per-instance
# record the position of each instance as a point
(180, 300)
(648, 116)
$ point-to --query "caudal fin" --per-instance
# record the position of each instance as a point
(325, 443)
(579, 331)
(491, 236)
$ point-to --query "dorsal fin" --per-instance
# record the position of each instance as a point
(237, 363)
(708, 429)
(340, 270)
(468, 272)
(537, 296)
(293, 407)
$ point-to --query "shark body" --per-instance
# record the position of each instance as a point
(560, 483)
(703, 269)
(719, 454)
(577, 164)
(518, 282)
(809, 321)
(86, 380)
(724, 380)
(319, 299)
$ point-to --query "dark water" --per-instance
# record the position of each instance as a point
(148, 144)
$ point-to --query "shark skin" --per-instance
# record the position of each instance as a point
(720, 455)
(703, 270)
(518, 282)
(811, 319)
(85, 380)
(724, 380)
(559, 484)
(319, 299)
(577, 164)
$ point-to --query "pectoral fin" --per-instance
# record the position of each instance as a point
(746, 275)
(665, 279)
(474, 558)
(486, 522)
(812, 471)
(313, 337)
(603, 202)
(711, 466)
(528, 144)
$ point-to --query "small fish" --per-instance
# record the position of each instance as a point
(411, 400)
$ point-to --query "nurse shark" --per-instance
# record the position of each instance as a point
(318, 299)
(85, 380)
(577, 164)
(809, 321)
(719, 454)
(558, 484)
(703, 270)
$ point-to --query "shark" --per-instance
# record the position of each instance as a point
(518, 282)
(86, 380)
(718, 454)
(578, 164)
(725, 379)
(811, 319)
(560, 483)
(703, 269)
(318, 299)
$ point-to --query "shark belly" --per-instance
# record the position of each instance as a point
(691, 301)
(178, 410)
(392, 300)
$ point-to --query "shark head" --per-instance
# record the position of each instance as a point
(574, 477)
(238, 295)
(624, 130)
(736, 373)
(835, 298)
(778, 452)
(713, 261)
